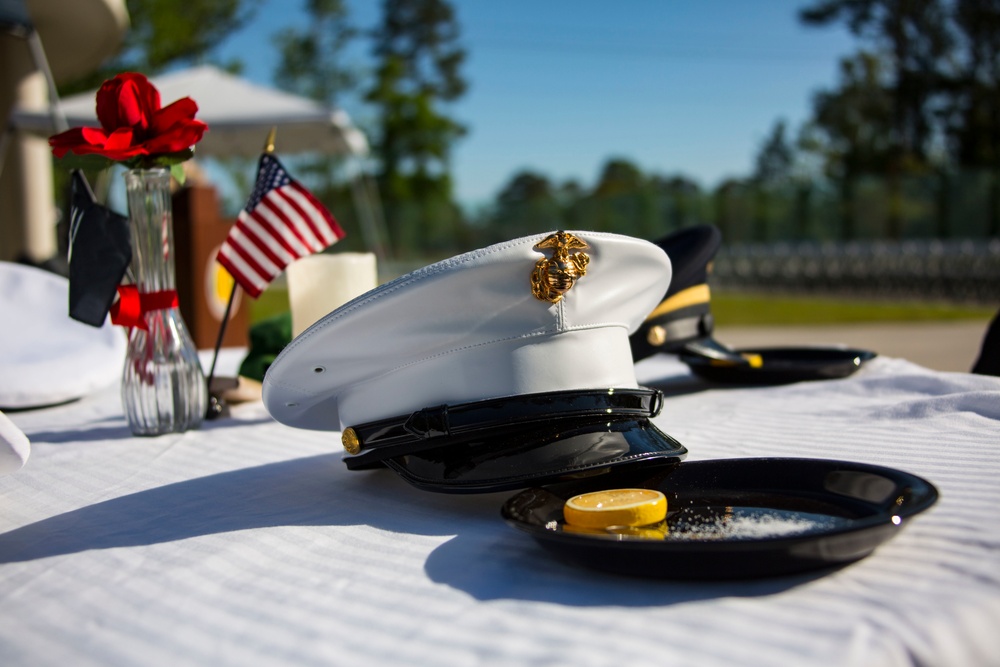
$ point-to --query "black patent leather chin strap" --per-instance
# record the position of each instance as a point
(437, 426)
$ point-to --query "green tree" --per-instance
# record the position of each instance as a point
(776, 158)
(418, 62)
(682, 199)
(974, 124)
(311, 60)
(528, 204)
(732, 211)
(773, 172)
(913, 40)
(311, 63)
(624, 201)
(912, 37)
(851, 129)
(973, 117)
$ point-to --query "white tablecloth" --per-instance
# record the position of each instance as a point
(248, 543)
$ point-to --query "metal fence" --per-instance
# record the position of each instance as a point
(966, 271)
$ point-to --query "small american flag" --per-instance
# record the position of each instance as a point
(282, 222)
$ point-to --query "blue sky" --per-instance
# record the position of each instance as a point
(560, 86)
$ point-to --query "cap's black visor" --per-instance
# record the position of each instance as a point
(542, 455)
(519, 441)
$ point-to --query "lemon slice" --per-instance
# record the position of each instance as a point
(656, 531)
(580, 530)
(616, 507)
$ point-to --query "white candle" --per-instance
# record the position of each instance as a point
(319, 284)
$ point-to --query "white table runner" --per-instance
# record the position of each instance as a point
(249, 543)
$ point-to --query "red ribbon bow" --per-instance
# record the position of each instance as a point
(132, 305)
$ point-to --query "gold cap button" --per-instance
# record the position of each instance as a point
(351, 442)
(657, 335)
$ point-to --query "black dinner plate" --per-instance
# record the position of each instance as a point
(781, 365)
(737, 518)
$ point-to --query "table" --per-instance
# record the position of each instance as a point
(248, 543)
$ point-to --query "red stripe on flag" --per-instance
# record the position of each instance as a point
(271, 210)
(266, 274)
(308, 214)
(241, 278)
(248, 228)
(276, 235)
(321, 212)
(298, 217)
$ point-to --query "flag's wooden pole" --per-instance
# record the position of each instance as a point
(216, 405)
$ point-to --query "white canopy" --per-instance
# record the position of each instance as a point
(239, 115)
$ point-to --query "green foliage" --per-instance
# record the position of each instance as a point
(528, 204)
(776, 158)
(310, 60)
(747, 308)
(272, 303)
(93, 162)
(971, 121)
(623, 200)
(905, 145)
(168, 32)
(312, 64)
(943, 204)
(869, 164)
(418, 62)
(930, 70)
(913, 39)
(736, 309)
(852, 125)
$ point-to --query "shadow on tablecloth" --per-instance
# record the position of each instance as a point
(484, 557)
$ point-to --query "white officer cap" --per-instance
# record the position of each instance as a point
(45, 357)
(470, 374)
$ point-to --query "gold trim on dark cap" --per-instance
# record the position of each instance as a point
(692, 296)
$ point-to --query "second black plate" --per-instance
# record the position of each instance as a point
(780, 365)
(737, 518)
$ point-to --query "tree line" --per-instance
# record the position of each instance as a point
(905, 145)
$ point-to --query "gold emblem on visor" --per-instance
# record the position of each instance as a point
(552, 278)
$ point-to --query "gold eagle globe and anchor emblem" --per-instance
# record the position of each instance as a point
(553, 277)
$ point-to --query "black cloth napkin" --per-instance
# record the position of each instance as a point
(100, 250)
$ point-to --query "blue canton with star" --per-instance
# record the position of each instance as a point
(270, 176)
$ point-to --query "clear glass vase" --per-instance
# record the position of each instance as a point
(163, 387)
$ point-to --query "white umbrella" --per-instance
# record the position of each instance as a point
(239, 115)
(238, 112)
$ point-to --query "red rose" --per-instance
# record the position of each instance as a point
(133, 124)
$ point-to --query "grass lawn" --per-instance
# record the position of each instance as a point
(272, 301)
(738, 308)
